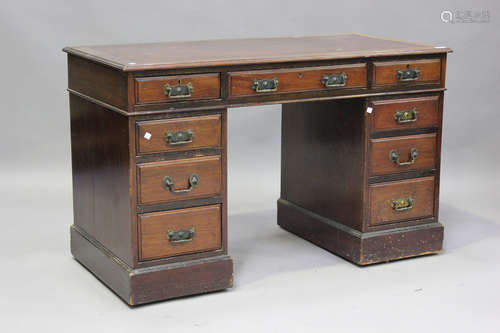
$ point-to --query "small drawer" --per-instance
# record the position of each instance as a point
(407, 72)
(178, 134)
(297, 80)
(396, 114)
(179, 179)
(401, 200)
(402, 154)
(181, 231)
(177, 88)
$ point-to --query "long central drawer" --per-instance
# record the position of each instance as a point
(249, 83)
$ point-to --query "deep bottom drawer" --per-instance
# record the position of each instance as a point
(181, 231)
(401, 200)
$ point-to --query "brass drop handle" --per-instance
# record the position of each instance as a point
(179, 137)
(266, 85)
(194, 180)
(400, 205)
(179, 90)
(408, 74)
(406, 116)
(180, 236)
(394, 157)
(334, 80)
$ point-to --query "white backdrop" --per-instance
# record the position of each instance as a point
(282, 283)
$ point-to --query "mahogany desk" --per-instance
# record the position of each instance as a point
(361, 141)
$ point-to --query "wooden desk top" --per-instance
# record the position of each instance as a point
(226, 52)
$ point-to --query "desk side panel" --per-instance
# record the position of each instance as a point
(100, 161)
(322, 166)
(98, 81)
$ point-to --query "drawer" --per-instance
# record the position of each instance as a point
(177, 88)
(181, 231)
(178, 134)
(179, 179)
(396, 114)
(402, 154)
(401, 200)
(406, 72)
(297, 80)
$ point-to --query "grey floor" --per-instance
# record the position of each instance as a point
(282, 283)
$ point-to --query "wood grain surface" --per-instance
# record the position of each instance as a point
(152, 89)
(206, 133)
(384, 72)
(296, 80)
(152, 190)
(100, 161)
(153, 229)
(385, 109)
(421, 190)
(190, 54)
(380, 163)
(322, 162)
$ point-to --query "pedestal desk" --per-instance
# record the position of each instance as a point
(361, 141)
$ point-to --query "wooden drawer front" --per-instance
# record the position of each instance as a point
(382, 159)
(152, 89)
(182, 231)
(296, 80)
(395, 114)
(178, 134)
(402, 200)
(153, 184)
(386, 72)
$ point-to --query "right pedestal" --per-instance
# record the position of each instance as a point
(360, 177)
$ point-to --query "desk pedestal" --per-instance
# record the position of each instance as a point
(332, 194)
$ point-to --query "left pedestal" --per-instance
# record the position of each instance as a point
(149, 199)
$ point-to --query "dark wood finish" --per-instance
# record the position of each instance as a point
(322, 158)
(326, 233)
(298, 79)
(424, 240)
(146, 285)
(195, 54)
(153, 229)
(179, 204)
(360, 248)
(206, 133)
(98, 81)
(151, 188)
(282, 98)
(100, 161)
(380, 163)
(337, 179)
(181, 279)
(369, 49)
(421, 190)
(218, 199)
(384, 110)
(324, 149)
(152, 89)
(384, 73)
